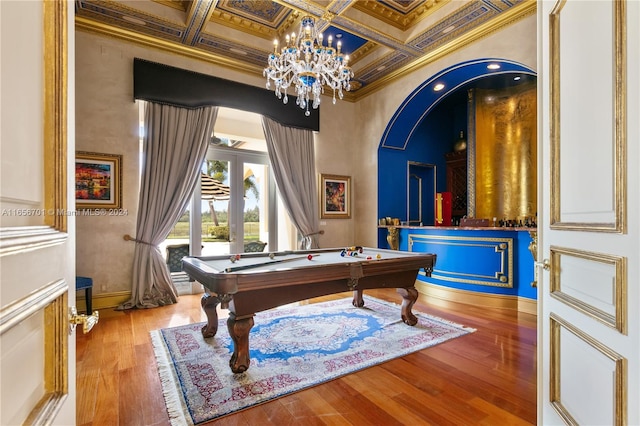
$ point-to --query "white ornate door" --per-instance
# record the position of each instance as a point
(37, 249)
(589, 281)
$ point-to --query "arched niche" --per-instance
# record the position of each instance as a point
(420, 118)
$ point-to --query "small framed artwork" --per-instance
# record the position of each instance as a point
(335, 197)
(98, 181)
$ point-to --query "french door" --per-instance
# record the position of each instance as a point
(244, 213)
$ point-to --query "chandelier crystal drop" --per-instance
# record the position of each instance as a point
(308, 65)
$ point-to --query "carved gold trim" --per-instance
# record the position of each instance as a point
(220, 17)
(617, 321)
(501, 246)
(55, 112)
(83, 24)
(533, 249)
(198, 15)
(396, 19)
(620, 132)
(620, 376)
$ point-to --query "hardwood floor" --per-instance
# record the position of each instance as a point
(485, 378)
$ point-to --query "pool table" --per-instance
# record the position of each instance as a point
(254, 282)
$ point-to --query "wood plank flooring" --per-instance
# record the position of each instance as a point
(485, 378)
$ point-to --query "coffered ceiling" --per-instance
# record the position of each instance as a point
(384, 38)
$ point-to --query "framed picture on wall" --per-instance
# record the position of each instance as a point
(98, 181)
(335, 197)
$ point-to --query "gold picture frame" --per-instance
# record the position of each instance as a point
(98, 179)
(335, 197)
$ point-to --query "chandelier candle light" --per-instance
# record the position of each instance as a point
(308, 65)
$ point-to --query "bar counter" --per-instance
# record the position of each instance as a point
(493, 266)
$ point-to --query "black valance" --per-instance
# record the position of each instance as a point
(174, 86)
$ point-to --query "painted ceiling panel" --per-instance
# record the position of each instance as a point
(393, 35)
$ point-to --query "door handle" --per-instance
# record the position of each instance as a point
(87, 321)
(545, 264)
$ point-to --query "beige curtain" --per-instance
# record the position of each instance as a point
(292, 157)
(175, 145)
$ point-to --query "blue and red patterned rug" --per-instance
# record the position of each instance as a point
(291, 348)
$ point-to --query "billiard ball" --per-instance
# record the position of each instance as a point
(233, 259)
(310, 257)
(272, 255)
(378, 256)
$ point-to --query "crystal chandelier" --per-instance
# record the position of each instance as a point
(308, 65)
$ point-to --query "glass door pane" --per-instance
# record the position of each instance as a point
(215, 206)
(256, 207)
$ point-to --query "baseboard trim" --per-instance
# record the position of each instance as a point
(442, 295)
(102, 301)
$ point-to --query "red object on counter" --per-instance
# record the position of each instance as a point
(443, 209)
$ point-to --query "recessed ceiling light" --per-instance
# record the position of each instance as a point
(449, 29)
(134, 20)
(238, 51)
(493, 66)
(438, 87)
(338, 35)
(516, 78)
(381, 67)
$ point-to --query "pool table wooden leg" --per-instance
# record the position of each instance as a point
(239, 331)
(409, 297)
(358, 301)
(209, 304)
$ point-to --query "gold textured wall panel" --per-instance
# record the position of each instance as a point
(505, 152)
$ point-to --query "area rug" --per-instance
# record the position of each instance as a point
(291, 348)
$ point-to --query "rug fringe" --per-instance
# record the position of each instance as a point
(173, 398)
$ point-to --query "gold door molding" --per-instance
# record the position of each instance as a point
(47, 305)
(594, 272)
(572, 344)
(610, 215)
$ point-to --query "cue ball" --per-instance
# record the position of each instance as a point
(272, 256)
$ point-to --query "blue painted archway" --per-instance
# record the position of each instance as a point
(408, 124)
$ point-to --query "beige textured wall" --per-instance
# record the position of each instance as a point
(337, 148)
(347, 144)
(107, 122)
